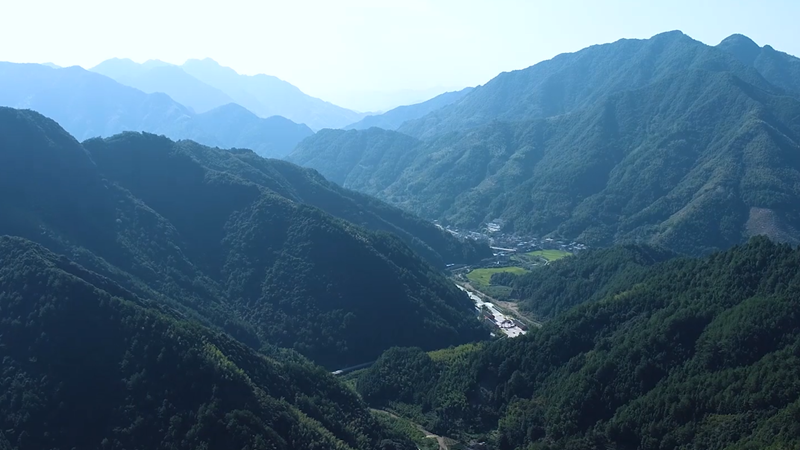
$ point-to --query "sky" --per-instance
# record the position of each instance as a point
(357, 53)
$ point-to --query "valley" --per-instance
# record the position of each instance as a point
(596, 251)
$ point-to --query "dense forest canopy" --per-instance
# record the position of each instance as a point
(88, 364)
(686, 353)
(233, 241)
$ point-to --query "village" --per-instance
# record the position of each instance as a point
(512, 254)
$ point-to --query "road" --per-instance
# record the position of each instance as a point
(352, 368)
(511, 306)
(511, 250)
(505, 323)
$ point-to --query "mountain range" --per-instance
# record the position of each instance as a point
(89, 105)
(205, 84)
(665, 140)
(158, 291)
(233, 241)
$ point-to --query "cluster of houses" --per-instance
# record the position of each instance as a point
(506, 242)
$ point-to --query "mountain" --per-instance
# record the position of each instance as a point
(268, 96)
(780, 69)
(232, 126)
(368, 160)
(694, 353)
(92, 365)
(158, 76)
(666, 141)
(88, 105)
(306, 186)
(573, 81)
(380, 101)
(223, 239)
(392, 120)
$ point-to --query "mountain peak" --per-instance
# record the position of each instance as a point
(738, 39)
(206, 62)
(740, 46)
(672, 34)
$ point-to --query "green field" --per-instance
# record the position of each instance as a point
(550, 255)
(482, 276)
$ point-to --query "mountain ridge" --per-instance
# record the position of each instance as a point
(191, 227)
(394, 118)
(267, 95)
(643, 161)
(89, 104)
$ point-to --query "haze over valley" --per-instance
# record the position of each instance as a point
(400, 225)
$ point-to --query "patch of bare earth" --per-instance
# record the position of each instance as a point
(763, 221)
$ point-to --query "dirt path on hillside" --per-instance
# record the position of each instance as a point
(441, 440)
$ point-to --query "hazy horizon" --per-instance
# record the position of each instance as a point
(371, 55)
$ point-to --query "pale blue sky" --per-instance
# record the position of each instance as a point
(334, 49)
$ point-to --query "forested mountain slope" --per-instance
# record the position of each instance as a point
(88, 364)
(686, 148)
(368, 161)
(308, 186)
(780, 69)
(573, 81)
(225, 247)
(589, 276)
(89, 105)
(697, 353)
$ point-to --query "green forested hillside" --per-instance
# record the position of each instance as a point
(88, 364)
(692, 353)
(573, 81)
(368, 161)
(589, 276)
(224, 247)
(681, 145)
(307, 186)
(778, 68)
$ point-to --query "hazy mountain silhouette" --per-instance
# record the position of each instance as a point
(158, 76)
(266, 96)
(88, 104)
(392, 120)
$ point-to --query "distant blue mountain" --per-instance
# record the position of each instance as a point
(157, 76)
(391, 120)
(88, 104)
(267, 96)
